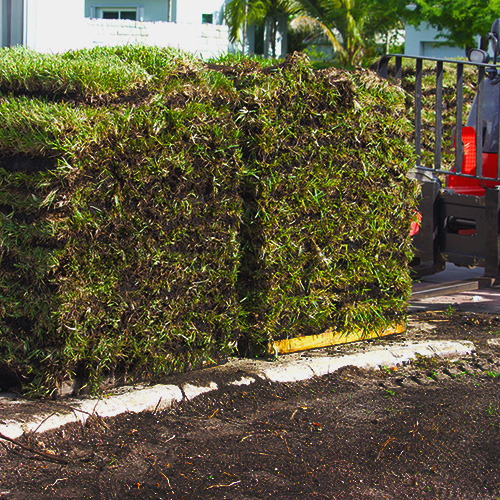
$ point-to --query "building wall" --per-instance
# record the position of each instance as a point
(190, 11)
(12, 18)
(180, 11)
(53, 25)
(422, 41)
(152, 10)
(204, 40)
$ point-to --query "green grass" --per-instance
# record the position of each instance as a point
(86, 77)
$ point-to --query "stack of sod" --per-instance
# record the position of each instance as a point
(155, 211)
(328, 203)
(119, 216)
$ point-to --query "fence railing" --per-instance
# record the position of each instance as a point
(483, 71)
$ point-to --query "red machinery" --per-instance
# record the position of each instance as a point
(459, 222)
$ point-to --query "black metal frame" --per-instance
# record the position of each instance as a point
(437, 241)
(383, 71)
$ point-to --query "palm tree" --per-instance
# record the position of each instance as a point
(351, 26)
(242, 13)
(237, 13)
(342, 21)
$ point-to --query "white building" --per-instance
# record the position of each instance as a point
(196, 26)
(178, 11)
(59, 25)
(427, 41)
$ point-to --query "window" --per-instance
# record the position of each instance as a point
(207, 18)
(129, 13)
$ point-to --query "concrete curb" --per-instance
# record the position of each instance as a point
(291, 368)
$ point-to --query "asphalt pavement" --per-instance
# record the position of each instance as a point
(457, 287)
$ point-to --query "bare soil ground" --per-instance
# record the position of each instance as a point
(429, 430)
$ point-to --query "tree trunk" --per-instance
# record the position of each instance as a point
(273, 37)
(245, 24)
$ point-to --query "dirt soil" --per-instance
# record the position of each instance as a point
(427, 430)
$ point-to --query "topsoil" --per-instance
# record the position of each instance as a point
(427, 430)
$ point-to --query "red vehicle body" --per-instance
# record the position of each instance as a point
(473, 186)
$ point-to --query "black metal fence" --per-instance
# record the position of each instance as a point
(483, 71)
